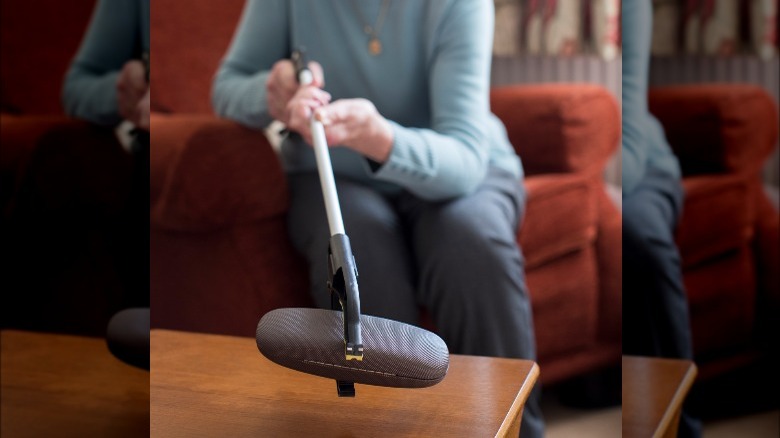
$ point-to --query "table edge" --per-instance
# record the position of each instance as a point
(677, 400)
(519, 401)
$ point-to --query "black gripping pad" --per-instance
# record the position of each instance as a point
(312, 341)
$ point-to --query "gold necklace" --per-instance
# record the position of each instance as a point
(374, 45)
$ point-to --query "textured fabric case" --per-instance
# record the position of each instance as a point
(312, 341)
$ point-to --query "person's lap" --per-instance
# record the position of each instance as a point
(457, 258)
(386, 278)
(656, 320)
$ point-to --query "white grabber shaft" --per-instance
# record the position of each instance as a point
(322, 155)
(325, 169)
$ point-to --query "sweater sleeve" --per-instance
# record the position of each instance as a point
(261, 39)
(636, 16)
(89, 90)
(451, 158)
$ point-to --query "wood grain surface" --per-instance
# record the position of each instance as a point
(209, 385)
(653, 393)
(68, 386)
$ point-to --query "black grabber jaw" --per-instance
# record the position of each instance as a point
(344, 296)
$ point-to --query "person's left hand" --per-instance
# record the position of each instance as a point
(142, 110)
(131, 87)
(357, 124)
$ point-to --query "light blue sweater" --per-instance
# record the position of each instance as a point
(117, 33)
(431, 81)
(644, 141)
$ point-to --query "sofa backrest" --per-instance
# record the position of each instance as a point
(559, 128)
(188, 41)
(38, 39)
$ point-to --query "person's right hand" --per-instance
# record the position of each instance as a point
(302, 106)
(282, 85)
(131, 88)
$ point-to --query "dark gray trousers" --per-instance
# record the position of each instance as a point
(655, 306)
(656, 321)
(459, 259)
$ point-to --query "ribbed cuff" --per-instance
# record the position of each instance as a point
(403, 165)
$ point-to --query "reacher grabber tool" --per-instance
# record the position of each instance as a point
(342, 270)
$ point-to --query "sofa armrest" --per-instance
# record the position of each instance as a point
(207, 173)
(559, 127)
(717, 128)
(51, 163)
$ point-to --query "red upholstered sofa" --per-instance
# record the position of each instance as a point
(62, 181)
(728, 234)
(220, 257)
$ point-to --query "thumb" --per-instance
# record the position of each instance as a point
(319, 76)
(136, 74)
(334, 113)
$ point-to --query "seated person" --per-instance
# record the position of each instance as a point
(429, 185)
(108, 82)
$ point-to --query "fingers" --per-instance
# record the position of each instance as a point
(344, 111)
(334, 113)
(338, 134)
(340, 119)
(309, 98)
(132, 77)
(300, 108)
(131, 87)
(355, 123)
(282, 78)
(142, 111)
(317, 73)
(282, 86)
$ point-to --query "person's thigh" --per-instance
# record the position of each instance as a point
(471, 277)
(655, 315)
(471, 270)
(386, 278)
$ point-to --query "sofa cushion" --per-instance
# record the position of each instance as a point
(37, 41)
(767, 250)
(223, 281)
(722, 299)
(190, 38)
(609, 251)
(53, 165)
(718, 217)
(560, 218)
(207, 173)
(561, 127)
(717, 128)
(565, 306)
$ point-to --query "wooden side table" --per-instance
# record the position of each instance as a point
(209, 385)
(653, 393)
(58, 385)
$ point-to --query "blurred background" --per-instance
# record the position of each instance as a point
(64, 191)
(714, 86)
(716, 73)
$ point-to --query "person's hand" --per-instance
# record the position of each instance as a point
(131, 89)
(299, 109)
(282, 85)
(357, 124)
(142, 109)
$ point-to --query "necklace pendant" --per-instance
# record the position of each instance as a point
(375, 46)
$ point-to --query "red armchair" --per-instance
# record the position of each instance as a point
(728, 233)
(220, 256)
(62, 181)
